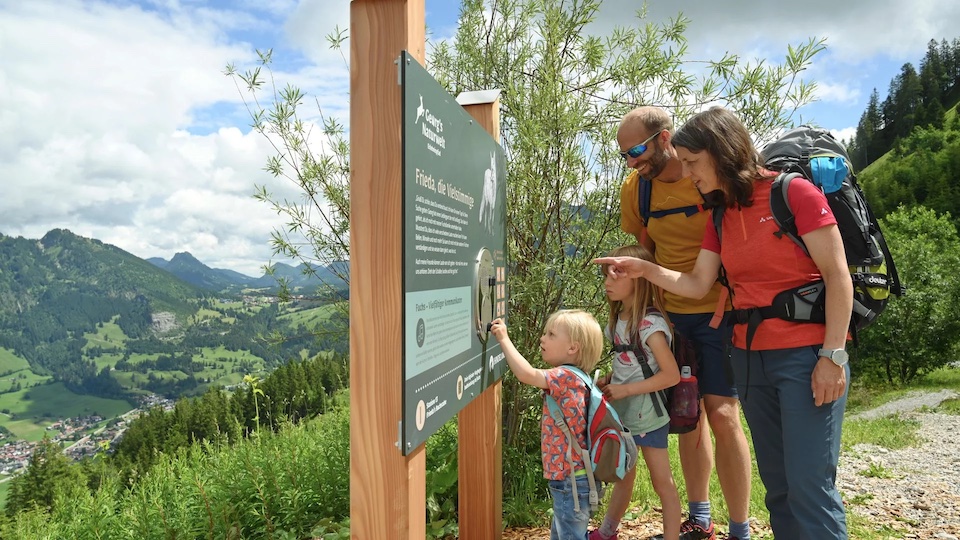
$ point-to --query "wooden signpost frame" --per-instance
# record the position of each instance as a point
(388, 489)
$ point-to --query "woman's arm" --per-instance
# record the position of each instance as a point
(826, 249)
(694, 284)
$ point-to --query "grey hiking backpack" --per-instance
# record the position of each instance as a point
(814, 155)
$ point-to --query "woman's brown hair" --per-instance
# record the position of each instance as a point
(720, 133)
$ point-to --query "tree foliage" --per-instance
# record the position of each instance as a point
(921, 169)
(914, 99)
(311, 153)
(917, 332)
(49, 470)
(564, 90)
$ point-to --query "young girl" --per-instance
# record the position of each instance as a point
(570, 337)
(637, 318)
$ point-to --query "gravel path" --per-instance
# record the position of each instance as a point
(914, 491)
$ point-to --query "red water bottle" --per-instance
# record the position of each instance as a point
(686, 401)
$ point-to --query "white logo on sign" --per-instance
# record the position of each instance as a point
(431, 128)
(419, 110)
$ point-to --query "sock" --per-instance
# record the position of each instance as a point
(740, 530)
(609, 526)
(700, 513)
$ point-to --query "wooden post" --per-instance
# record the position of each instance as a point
(480, 441)
(387, 489)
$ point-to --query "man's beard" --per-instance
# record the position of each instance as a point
(655, 164)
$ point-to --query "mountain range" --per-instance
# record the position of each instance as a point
(188, 268)
(63, 255)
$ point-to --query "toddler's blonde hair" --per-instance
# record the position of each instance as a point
(583, 328)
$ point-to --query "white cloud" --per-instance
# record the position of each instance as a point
(867, 40)
(120, 124)
(839, 93)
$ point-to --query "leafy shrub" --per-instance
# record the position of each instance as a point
(916, 334)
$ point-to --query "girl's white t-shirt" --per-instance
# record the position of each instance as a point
(640, 413)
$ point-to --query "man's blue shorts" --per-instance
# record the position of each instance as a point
(714, 374)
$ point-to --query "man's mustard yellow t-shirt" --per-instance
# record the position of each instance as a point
(676, 236)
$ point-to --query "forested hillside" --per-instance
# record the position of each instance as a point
(56, 290)
(102, 323)
(921, 169)
(915, 99)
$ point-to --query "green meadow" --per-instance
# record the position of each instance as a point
(27, 413)
(310, 317)
(108, 336)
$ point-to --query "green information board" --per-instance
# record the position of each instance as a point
(454, 255)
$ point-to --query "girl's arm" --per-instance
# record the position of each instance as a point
(826, 249)
(519, 365)
(694, 284)
(669, 374)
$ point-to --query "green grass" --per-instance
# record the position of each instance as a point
(217, 304)
(310, 317)
(108, 336)
(25, 378)
(204, 313)
(892, 432)
(950, 406)
(37, 407)
(10, 362)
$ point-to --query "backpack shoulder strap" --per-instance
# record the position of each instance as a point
(727, 292)
(896, 286)
(643, 365)
(644, 194)
(587, 381)
(718, 221)
(780, 208)
(644, 191)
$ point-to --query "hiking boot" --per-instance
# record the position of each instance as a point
(595, 535)
(690, 530)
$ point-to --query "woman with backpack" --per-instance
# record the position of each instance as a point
(791, 376)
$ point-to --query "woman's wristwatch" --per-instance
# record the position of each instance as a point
(837, 356)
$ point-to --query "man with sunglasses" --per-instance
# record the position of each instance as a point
(672, 228)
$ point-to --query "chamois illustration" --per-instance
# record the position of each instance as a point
(489, 199)
(419, 110)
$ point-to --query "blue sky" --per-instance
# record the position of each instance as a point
(116, 120)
